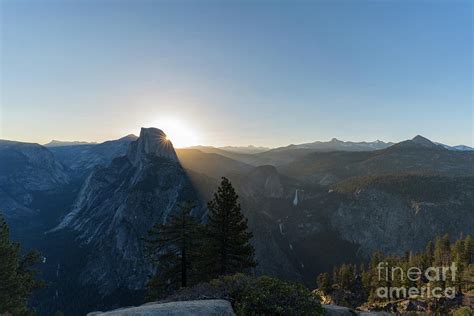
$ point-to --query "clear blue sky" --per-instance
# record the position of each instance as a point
(240, 72)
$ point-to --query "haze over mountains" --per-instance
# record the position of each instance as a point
(87, 207)
(58, 143)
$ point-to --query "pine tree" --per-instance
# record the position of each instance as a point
(323, 282)
(446, 242)
(376, 280)
(365, 280)
(174, 249)
(442, 251)
(17, 276)
(469, 250)
(347, 276)
(228, 247)
(458, 255)
(429, 254)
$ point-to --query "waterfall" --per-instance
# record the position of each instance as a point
(295, 200)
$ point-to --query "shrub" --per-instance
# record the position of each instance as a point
(463, 311)
(268, 296)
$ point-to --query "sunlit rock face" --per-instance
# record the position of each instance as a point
(117, 206)
(151, 143)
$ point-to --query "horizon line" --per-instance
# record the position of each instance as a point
(94, 142)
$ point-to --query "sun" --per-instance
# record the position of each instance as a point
(179, 133)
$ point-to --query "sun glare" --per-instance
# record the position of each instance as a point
(178, 132)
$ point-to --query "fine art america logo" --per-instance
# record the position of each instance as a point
(436, 276)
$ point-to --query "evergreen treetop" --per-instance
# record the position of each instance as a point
(174, 249)
(18, 279)
(228, 238)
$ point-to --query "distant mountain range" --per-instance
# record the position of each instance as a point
(287, 154)
(58, 143)
(80, 159)
(245, 149)
(418, 155)
(332, 145)
(458, 147)
(336, 145)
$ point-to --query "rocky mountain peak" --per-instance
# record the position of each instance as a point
(59, 143)
(117, 205)
(420, 140)
(152, 142)
(129, 137)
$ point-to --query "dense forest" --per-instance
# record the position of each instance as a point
(438, 277)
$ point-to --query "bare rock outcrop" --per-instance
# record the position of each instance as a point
(183, 308)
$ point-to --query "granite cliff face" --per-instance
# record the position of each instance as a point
(118, 204)
(151, 143)
(263, 181)
(398, 213)
(26, 169)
